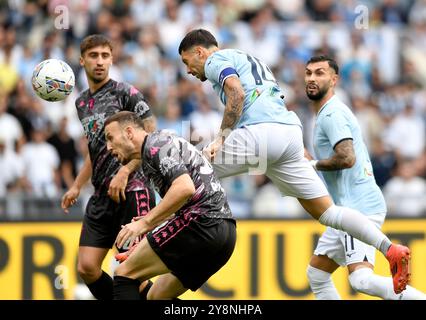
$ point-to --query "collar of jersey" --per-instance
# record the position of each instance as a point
(99, 89)
(325, 104)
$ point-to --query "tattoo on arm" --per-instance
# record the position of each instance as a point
(343, 158)
(234, 103)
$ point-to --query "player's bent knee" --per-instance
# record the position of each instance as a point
(360, 279)
(316, 275)
(310, 274)
(88, 270)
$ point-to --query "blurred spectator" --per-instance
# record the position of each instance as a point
(10, 55)
(171, 30)
(26, 67)
(11, 172)
(186, 96)
(357, 63)
(268, 202)
(406, 134)
(11, 52)
(172, 119)
(417, 13)
(228, 11)
(392, 12)
(288, 10)
(193, 13)
(41, 164)
(146, 12)
(205, 123)
(262, 31)
(10, 128)
(382, 160)
(240, 191)
(322, 10)
(100, 21)
(405, 193)
(147, 57)
(369, 119)
(50, 48)
(65, 146)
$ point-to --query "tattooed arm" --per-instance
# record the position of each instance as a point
(234, 105)
(343, 158)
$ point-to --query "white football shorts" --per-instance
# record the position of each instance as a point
(345, 249)
(273, 149)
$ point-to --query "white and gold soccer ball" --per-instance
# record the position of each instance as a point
(53, 80)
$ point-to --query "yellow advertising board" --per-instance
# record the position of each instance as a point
(38, 260)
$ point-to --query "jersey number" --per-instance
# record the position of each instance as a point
(257, 77)
(351, 240)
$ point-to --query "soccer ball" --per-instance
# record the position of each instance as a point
(53, 80)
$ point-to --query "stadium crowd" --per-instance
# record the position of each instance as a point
(380, 46)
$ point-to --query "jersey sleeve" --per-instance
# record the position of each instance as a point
(134, 101)
(218, 68)
(336, 127)
(166, 160)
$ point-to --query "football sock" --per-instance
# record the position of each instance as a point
(102, 287)
(144, 293)
(126, 288)
(365, 281)
(321, 284)
(357, 225)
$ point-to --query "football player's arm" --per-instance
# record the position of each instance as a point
(84, 174)
(234, 105)
(181, 189)
(70, 197)
(178, 184)
(343, 157)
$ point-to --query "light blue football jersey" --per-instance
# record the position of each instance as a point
(262, 102)
(355, 187)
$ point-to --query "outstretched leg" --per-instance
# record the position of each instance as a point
(360, 227)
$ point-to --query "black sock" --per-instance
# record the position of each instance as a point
(144, 293)
(126, 288)
(102, 288)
